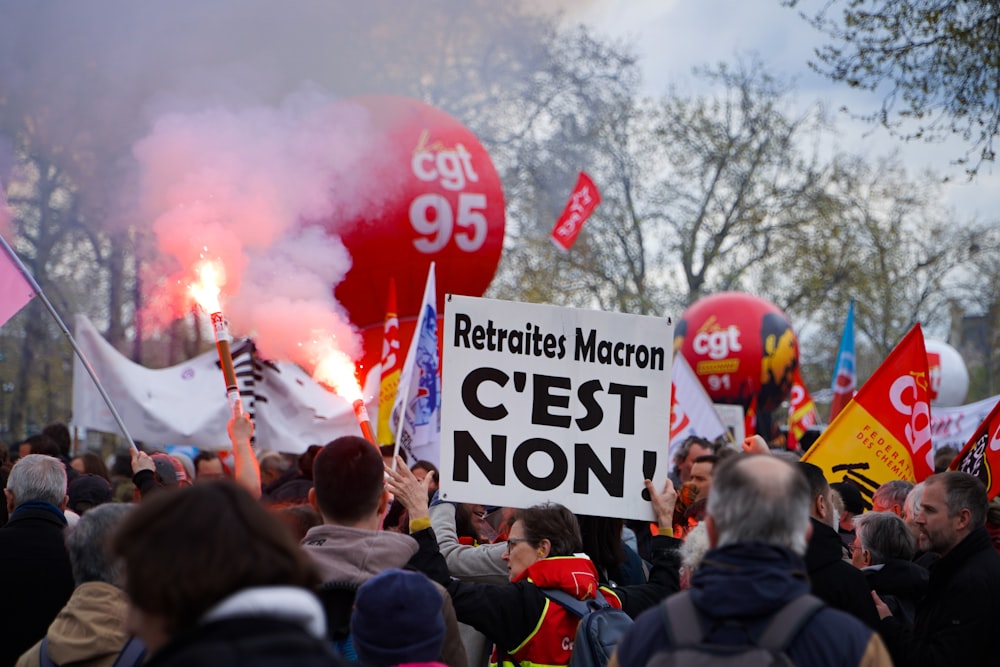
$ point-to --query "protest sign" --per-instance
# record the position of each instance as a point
(554, 404)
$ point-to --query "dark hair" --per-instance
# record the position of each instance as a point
(59, 433)
(204, 455)
(93, 464)
(602, 541)
(707, 458)
(187, 550)
(429, 467)
(349, 478)
(43, 444)
(552, 522)
(307, 460)
(963, 491)
(817, 480)
(296, 517)
(685, 447)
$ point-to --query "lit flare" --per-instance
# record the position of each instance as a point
(336, 371)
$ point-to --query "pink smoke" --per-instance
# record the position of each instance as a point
(257, 188)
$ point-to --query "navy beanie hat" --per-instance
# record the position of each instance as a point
(397, 619)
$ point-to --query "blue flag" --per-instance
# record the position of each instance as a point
(845, 378)
(418, 433)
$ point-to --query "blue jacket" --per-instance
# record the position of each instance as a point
(752, 582)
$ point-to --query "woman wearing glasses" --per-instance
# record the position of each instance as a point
(542, 551)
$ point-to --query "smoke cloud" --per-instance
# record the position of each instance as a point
(225, 129)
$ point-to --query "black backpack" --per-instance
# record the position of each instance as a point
(600, 628)
(690, 646)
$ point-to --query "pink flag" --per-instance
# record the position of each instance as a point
(581, 204)
(15, 290)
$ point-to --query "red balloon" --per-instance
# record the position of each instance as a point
(739, 345)
(445, 205)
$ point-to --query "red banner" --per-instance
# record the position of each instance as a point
(981, 455)
(885, 432)
(801, 412)
(581, 204)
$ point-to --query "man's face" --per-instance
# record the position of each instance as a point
(701, 478)
(884, 505)
(210, 469)
(684, 468)
(939, 531)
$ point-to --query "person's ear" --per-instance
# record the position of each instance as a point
(544, 548)
(820, 508)
(866, 557)
(383, 502)
(963, 518)
(10, 501)
(312, 499)
(713, 532)
(64, 503)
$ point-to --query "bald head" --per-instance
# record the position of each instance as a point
(760, 499)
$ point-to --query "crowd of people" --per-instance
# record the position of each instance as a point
(345, 555)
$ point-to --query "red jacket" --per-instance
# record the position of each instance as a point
(551, 642)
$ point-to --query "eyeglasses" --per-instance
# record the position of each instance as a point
(514, 541)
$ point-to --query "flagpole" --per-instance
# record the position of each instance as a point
(406, 386)
(72, 341)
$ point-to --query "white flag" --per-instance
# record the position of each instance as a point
(419, 431)
(691, 409)
(186, 404)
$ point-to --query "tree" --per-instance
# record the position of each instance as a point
(937, 62)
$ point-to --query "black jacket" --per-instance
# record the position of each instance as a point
(834, 580)
(956, 620)
(37, 579)
(246, 642)
(901, 584)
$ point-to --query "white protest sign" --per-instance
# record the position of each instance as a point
(542, 403)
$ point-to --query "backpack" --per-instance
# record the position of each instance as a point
(600, 628)
(691, 648)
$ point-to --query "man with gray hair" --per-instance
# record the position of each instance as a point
(91, 627)
(37, 576)
(883, 549)
(891, 496)
(758, 525)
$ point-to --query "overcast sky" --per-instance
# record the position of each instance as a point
(673, 36)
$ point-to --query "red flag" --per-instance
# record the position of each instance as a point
(885, 432)
(581, 204)
(15, 290)
(801, 412)
(392, 366)
(981, 455)
(750, 418)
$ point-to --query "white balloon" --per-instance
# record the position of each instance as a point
(949, 375)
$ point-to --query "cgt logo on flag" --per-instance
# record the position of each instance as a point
(581, 204)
